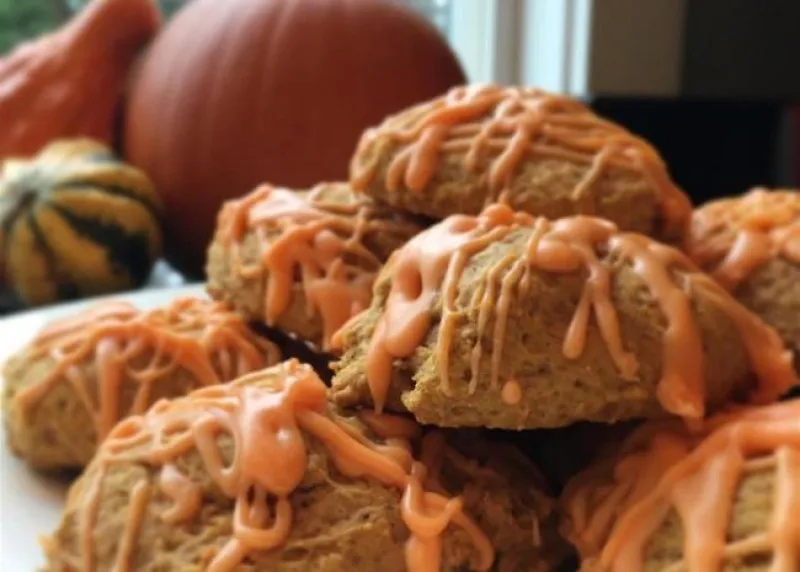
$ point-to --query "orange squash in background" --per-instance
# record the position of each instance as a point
(70, 83)
(237, 92)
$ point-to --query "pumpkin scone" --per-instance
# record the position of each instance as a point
(723, 495)
(66, 390)
(509, 321)
(264, 475)
(535, 151)
(302, 261)
(751, 245)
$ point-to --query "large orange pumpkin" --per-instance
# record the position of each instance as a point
(237, 92)
(70, 83)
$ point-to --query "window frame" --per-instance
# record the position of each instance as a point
(476, 35)
(576, 47)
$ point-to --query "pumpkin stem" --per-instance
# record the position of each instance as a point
(122, 25)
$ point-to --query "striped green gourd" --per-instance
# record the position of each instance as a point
(76, 222)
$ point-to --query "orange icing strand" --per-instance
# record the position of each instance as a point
(424, 550)
(696, 473)
(140, 496)
(86, 520)
(266, 425)
(734, 237)
(785, 529)
(432, 263)
(317, 240)
(126, 345)
(495, 128)
(186, 495)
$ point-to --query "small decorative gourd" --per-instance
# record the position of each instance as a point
(76, 221)
(70, 83)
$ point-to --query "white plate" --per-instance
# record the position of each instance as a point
(30, 503)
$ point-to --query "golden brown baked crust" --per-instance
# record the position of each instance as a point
(341, 518)
(541, 153)
(751, 245)
(63, 390)
(722, 496)
(772, 292)
(302, 261)
(507, 321)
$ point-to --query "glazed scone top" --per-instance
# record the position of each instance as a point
(124, 344)
(733, 237)
(432, 263)
(320, 236)
(267, 414)
(693, 471)
(506, 124)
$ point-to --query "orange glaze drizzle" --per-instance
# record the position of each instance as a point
(420, 270)
(696, 473)
(506, 125)
(266, 424)
(320, 241)
(431, 265)
(733, 237)
(126, 345)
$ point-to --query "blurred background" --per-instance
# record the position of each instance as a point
(710, 83)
